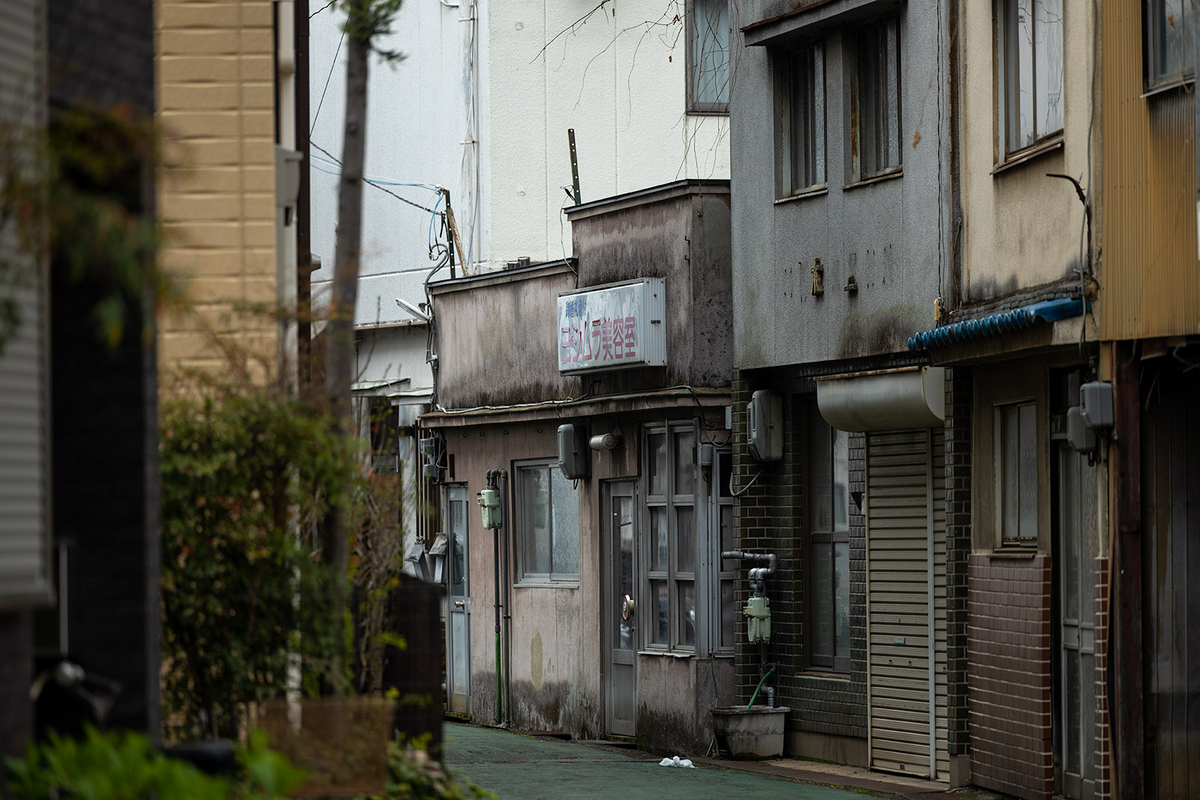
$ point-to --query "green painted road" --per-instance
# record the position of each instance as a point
(518, 767)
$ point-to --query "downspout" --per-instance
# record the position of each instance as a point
(507, 603)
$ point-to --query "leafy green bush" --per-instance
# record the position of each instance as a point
(413, 775)
(124, 766)
(246, 477)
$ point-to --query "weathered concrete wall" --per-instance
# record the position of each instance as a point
(496, 340)
(890, 235)
(675, 699)
(679, 232)
(555, 644)
(1021, 229)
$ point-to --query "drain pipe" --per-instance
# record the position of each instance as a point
(757, 576)
(491, 476)
(507, 578)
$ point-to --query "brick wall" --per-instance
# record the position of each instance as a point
(1009, 652)
(1103, 731)
(216, 107)
(959, 399)
(769, 517)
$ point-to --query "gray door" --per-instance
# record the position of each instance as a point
(906, 597)
(458, 600)
(620, 611)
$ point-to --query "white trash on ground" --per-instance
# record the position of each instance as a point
(677, 762)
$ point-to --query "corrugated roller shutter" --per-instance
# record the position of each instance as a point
(906, 602)
(23, 403)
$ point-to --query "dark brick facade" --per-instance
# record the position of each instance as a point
(769, 517)
(959, 400)
(1009, 672)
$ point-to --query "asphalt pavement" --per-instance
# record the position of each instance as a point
(522, 767)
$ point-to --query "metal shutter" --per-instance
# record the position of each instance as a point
(23, 399)
(906, 580)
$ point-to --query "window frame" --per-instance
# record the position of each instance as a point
(787, 67)
(673, 575)
(723, 570)
(1003, 540)
(824, 662)
(1005, 11)
(694, 69)
(526, 577)
(858, 169)
(1153, 14)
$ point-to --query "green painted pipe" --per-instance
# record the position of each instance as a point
(761, 681)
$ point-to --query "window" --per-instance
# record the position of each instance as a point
(1168, 42)
(672, 479)
(547, 524)
(1015, 444)
(875, 114)
(727, 609)
(828, 573)
(802, 119)
(1031, 71)
(708, 56)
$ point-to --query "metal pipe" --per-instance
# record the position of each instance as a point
(756, 573)
(507, 576)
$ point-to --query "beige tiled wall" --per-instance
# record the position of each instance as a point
(216, 109)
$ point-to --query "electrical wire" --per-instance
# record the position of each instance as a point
(381, 186)
(317, 115)
(322, 8)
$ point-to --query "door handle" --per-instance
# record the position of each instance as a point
(627, 607)
(460, 603)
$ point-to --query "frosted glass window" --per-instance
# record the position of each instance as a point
(1167, 45)
(875, 115)
(1016, 474)
(802, 119)
(547, 524)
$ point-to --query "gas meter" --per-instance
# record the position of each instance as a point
(758, 619)
(489, 501)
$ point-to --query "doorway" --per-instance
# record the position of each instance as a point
(458, 602)
(620, 618)
(1075, 550)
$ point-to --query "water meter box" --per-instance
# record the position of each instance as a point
(758, 619)
(489, 501)
(764, 434)
(574, 454)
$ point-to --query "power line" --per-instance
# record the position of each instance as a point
(322, 8)
(373, 183)
(327, 77)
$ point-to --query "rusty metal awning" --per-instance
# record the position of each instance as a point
(996, 324)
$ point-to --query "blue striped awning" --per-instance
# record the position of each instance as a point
(1004, 322)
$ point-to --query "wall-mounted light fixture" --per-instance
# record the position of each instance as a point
(605, 441)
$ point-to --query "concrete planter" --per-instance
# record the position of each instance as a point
(748, 733)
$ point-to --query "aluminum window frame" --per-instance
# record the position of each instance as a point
(1156, 18)
(817, 535)
(867, 73)
(1027, 434)
(695, 65)
(1008, 81)
(802, 129)
(524, 543)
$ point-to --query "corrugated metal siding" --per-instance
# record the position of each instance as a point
(23, 404)
(1150, 283)
(905, 492)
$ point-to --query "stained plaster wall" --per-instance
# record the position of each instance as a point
(679, 232)
(891, 235)
(496, 337)
(1020, 228)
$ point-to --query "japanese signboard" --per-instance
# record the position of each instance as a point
(612, 327)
